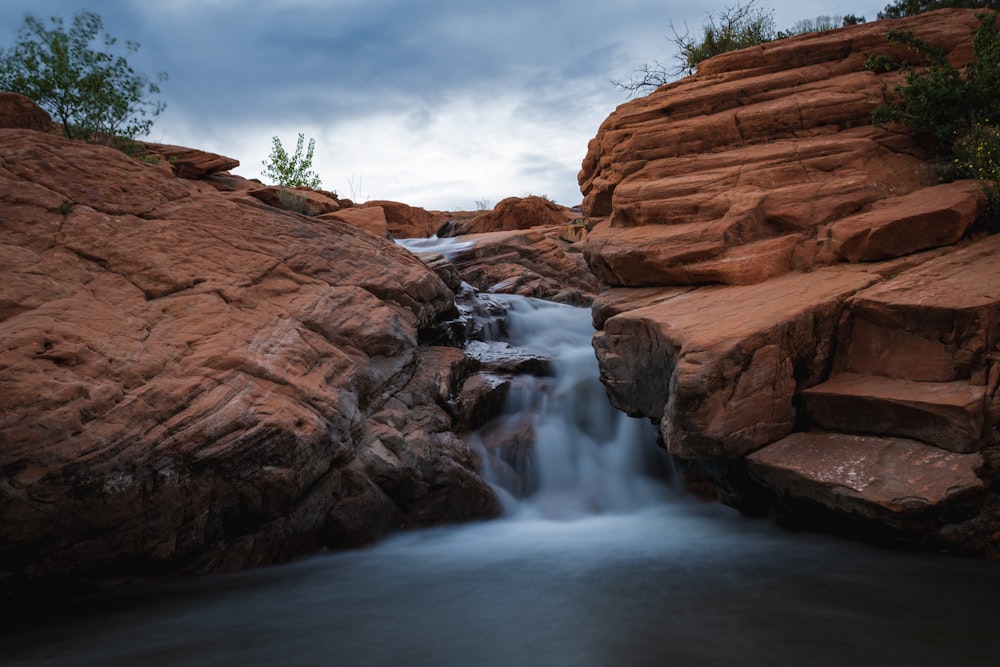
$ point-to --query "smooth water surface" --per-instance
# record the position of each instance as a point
(680, 584)
(602, 565)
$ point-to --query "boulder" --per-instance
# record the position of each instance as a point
(897, 226)
(482, 397)
(18, 112)
(297, 200)
(534, 262)
(369, 218)
(516, 213)
(409, 222)
(195, 381)
(190, 162)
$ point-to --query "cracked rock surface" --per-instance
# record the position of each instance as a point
(191, 380)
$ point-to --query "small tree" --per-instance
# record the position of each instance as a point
(294, 170)
(735, 27)
(93, 94)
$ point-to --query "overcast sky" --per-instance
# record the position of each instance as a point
(435, 103)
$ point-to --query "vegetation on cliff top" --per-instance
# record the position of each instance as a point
(744, 25)
(94, 94)
(957, 110)
(734, 27)
(295, 170)
(901, 8)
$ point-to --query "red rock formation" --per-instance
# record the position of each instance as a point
(777, 265)
(191, 379)
(516, 213)
(298, 200)
(409, 222)
(19, 112)
(191, 163)
(368, 218)
(737, 174)
(534, 262)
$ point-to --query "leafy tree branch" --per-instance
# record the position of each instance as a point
(93, 94)
(295, 170)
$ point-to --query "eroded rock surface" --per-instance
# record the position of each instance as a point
(409, 222)
(516, 213)
(790, 290)
(533, 262)
(748, 169)
(20, 113)
(193, 380)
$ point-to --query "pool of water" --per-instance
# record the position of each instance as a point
(604, 564)
(681, 583)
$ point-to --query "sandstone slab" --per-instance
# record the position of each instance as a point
(938, 321)
(948, 415)
(927, 218)
(298, 200)
(190, 162)
(891, 480)
(719, 366)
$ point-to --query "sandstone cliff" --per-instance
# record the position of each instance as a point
(192, 379)
(793, 295)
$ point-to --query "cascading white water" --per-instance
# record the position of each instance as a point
(587, 456)
(677, 582)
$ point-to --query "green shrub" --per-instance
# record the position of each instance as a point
(901, 8)
(977, 155)
(937, 101)
(735, 27)
(956, 110)
(94, 95)
(292, 171)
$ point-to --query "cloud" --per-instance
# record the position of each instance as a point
(437, 104)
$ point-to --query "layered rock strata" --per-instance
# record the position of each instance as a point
(794, 297)
(194, 380)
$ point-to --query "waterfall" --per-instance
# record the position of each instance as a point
(568, 451)
(680, 582)
(585, 457)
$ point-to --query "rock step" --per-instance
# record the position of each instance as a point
(948, 415)
(898, 226)
(894, 480)
(936, 322)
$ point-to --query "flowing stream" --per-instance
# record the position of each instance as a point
(603, 563)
